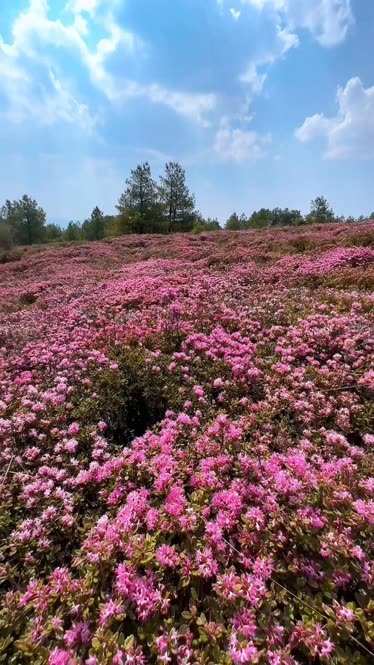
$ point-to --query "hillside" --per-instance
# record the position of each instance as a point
(186, 452)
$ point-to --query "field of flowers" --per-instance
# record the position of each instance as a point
(187, 448)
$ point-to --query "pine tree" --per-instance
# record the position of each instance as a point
(233, 223)
(25, 219)
(73, 231)
(260, 219)
(175, 196)
(94, 227)
(138, 205)
(320, 211)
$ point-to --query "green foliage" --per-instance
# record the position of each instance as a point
(73, 231)
(320, 212)
(260, 219)
(265, 218)
(175, 196)
(94, 227)
(235, 223)
(110, 226)
(138, 206)
(286, 217)
(148, 207)
(131, 400)
(201, 225)
(145, 207)
(52, 233)
(6, 235)
(26, 220)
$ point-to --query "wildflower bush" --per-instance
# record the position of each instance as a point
(187, 449)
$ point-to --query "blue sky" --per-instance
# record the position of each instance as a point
(265, 102)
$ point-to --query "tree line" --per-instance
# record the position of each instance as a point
(320, 213)
(146, 206)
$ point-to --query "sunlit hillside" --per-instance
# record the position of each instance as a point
(186, 455)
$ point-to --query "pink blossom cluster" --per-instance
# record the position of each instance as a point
(187, 451)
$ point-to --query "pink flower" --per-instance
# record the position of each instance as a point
(175, 502)
(78, 634)
(167, 556)
(60, 657)
(344, 614)
(73, 429)
(368, 439)
(110, 610)
(206, 563)
(365, 509)
(70, 445)
(244, 623)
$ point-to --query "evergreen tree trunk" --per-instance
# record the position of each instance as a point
(174, 217)
(29, 232)
(171, 210)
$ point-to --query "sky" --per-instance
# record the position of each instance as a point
(264, 102)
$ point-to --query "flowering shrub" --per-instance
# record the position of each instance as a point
(187, 450)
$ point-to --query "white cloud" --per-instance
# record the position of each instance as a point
(47, 100)
(261, 4)
(327, 20)
(9, 70)
(36, 39)
(351, 132)
(91, 6)
(253, 77)
(63, 104)
(80, 6)
(239, 145)
(235, 13)
(192, 105)
(33, 29)
(312, 127)
(55, 100)
(286, 40)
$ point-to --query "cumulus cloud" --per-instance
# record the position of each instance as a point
(350, 134)
(237, 144)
